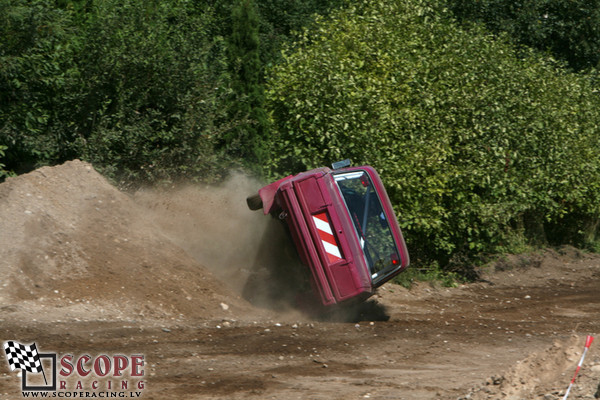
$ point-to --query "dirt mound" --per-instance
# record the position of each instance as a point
(72, 246)
(542, 376)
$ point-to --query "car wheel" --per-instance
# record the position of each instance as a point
(254, 202)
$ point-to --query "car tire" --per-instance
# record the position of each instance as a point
(254, 202)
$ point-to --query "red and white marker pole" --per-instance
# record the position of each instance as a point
(588, 342)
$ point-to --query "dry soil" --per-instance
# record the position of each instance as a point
(185, 277)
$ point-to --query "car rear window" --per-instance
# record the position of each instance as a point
(370, 222)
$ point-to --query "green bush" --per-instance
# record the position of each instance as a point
(146, 90)
(155, 82)
(138, 88)
(569, 30)
(3, 171)
(478, 143)
(246, 139)
(38, 83)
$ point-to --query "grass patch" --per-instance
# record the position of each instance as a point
(429, 273)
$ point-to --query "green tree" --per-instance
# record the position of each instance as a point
(38, 76)
(3, 171)
(138, 88)
(246, 139)
(155, 82)
(281, 19)
(569, 29)
(146, 90)
(480, 145)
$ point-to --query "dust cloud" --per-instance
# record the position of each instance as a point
(248, 251)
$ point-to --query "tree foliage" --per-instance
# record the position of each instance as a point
(569, 29)
(135, 87)
(479, 144)
(36, 65)
(281, 19)
(3, 171)
(146, 90)
(245, 140)
(155, 78)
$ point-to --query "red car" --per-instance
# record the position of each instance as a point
(343, 226)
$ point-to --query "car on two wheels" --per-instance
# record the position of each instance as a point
(343, 226)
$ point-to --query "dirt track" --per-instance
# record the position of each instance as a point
(86, 269)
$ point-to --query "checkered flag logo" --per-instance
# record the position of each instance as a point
(20, 356)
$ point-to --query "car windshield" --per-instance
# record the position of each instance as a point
(370, 222)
